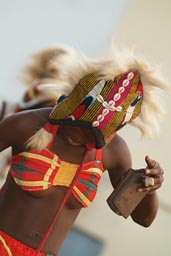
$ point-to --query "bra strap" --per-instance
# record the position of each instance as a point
(99, 154)
(51, 128)
(66, 196)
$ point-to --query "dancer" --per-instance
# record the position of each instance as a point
(62, 152)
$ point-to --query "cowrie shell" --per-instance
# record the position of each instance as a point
(111, 103)
(116, 96)
(121, 89)
(100, 118)
(125, 82)
(105, 104)
(130, 75)
(100, 98)
(95, 123)
(105, 111)
(119, 108)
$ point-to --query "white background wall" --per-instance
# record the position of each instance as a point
(27, 26)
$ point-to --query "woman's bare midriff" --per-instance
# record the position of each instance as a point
(26, 216)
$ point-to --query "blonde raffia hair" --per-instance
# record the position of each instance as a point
(44, 61)
(155, 86)
(69, 66)
(39, 140)
(119, 61)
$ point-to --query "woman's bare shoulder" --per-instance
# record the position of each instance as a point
(39, 115)
(17, 128)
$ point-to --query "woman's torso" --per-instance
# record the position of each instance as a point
(27, 215)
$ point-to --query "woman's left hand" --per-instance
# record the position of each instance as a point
(155, 174)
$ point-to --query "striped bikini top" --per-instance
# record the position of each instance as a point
(39, 170)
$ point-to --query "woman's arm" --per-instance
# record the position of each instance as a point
(118, 159)
(146, 211)
(17, 128)
(7, 132)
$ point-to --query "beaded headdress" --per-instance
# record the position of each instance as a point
(44, 66)
(102, 105)
(105, 95)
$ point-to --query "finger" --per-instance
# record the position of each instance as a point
(150, 162)
(154, 172)
(148, 189)
(159, 180)
(147, 159)
(153, 163)
(157, 184)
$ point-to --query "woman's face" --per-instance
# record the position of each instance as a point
(78, 136)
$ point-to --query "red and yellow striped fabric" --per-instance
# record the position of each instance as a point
(40, 170)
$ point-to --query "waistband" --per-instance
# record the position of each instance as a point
(9, 246)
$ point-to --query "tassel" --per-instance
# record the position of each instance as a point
(39, 140)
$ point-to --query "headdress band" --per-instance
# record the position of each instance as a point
(105, 106)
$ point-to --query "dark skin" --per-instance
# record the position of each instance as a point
(15, 108)
(21, 212)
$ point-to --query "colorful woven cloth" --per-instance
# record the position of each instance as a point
(11, 247)
(40, 170)
(34, 96)
(104, 106)
(31, 97)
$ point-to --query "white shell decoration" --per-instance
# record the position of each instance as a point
(110, 106)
